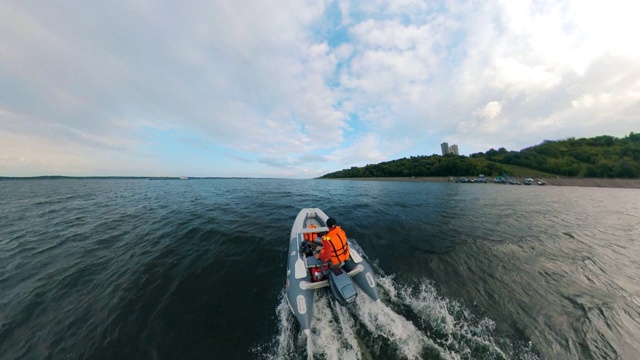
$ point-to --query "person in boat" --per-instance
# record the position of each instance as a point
(311, 244)
(334, 249)
(311, 236)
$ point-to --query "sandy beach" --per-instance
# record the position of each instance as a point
(583, 182)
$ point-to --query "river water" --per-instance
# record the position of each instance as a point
(139, 269)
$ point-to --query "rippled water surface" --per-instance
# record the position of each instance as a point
(133, 269)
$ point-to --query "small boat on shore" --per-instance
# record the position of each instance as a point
(305, 273)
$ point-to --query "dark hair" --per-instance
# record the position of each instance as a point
(331, 222)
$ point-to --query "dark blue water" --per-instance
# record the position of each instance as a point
(139, 269)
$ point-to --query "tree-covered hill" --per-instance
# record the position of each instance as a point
(601, 156)
(434, 165)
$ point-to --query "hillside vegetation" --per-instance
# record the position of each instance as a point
(601, 156)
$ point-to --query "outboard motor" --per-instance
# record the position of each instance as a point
(342, 286)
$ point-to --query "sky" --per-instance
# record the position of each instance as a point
(298, 89)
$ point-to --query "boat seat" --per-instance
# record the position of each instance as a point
(313, 262)
(315, 230)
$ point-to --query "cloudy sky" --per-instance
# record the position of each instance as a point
(301, 88)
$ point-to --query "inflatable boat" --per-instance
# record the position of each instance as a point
(306, 274)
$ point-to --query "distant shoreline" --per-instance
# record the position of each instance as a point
(582, 182)
(62, 177)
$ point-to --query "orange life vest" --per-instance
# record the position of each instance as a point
(310, 236)
(335, 246)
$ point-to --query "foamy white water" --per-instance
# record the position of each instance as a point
(427, 326)
(411, 321)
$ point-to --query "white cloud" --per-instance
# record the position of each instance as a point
(362, 151)
(515, 77)
(489, 111)
(272, 86)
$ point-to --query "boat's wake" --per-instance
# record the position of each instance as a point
(410, 322)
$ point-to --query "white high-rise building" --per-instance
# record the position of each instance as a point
(453, 149)
(445, 148)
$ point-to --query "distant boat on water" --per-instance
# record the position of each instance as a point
(184, 178)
